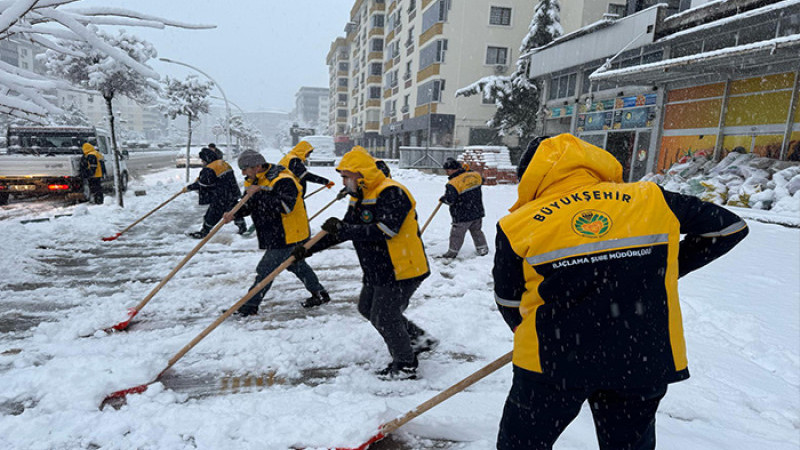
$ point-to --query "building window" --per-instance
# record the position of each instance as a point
(616, 9)
(376, 45)
(343, 98)
(563, 86)
(430, 92)
(500, 16)
(375, 69)
(412, 5)
(407, 74)
(433, 53)
(344, 67)
(377, 21)
(406, 100)
(496, 55)
(435, 14)
(343, 82)
(374, 92)
(410, 39)
(341, 113)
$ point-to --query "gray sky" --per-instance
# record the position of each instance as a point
(261, 51)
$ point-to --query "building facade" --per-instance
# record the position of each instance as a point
(311, 106)
(401, 61)
(672, 81)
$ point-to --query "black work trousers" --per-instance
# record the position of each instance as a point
(537, 412)
(383, 306)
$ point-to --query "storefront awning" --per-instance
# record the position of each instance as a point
(734, 60)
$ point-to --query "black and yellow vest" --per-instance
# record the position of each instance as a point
(295, 223)
(405, 248)
(98, 171)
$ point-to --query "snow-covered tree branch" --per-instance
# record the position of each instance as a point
(186, 98)
(43, 22)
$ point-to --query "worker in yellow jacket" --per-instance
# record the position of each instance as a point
(586, 274)
(382, 223)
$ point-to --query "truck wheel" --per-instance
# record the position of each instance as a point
(124, 181)
(3, 199)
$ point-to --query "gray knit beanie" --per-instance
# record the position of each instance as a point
(251, 158)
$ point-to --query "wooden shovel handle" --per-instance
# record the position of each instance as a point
(447, 393)
(431, 217)
(190, 255)
(339, 196)
(289, 261)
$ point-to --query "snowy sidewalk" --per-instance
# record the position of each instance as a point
(291, 376)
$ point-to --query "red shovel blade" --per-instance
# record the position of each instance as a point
(111, 238)
(364, 446)
(112, 398)
(124, 324)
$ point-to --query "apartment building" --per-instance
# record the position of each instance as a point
(408, 57)
(338, 61)
(311, 106)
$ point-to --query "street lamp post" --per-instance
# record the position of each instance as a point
(224, 97)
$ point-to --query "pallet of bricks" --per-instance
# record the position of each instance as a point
(492, 162)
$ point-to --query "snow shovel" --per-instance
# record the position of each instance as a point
(339, 196)
(114, 237)
(132, 312)
(143, 387)
(389, 427)
(431, 217)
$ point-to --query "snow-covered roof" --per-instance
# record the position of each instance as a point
(755, 54)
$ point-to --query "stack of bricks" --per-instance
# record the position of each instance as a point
(492, 162)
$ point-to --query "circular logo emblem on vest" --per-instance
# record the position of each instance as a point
(366, 216)
(591, 223)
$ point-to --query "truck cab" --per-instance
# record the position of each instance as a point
(47, 160)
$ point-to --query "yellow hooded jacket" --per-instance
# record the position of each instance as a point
(295, 222)
(97, 170)
(405, 249)
(575, 218)
(301, 150)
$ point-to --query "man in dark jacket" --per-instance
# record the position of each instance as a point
(94, 169)
(218, 189)
(279, 215)
(463, 194)
(586, 274)
(382, 223)
(295, 161)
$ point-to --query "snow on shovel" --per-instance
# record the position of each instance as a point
(114, 237)
(114, 396)
(389, 427)
(132, 312)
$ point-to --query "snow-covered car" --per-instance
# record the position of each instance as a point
(194, 158)
(323, 154)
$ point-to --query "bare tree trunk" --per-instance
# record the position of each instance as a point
(117, 171)
(188, 147)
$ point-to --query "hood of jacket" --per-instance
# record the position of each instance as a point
(564, 163)
(301, 150)
(208, 156)
(359, 160)
(87, 147)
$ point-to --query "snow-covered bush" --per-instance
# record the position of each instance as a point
(739, 179)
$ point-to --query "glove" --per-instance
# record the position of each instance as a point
(299, 252)
(330, 184)
(441, 199)
(332, 226)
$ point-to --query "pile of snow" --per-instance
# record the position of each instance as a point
(739, 180)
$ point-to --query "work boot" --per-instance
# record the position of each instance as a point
(423, 344)
(198, 234)
(316, 299)
(242, 226)
(399, 371)
(449, 255)
(246, 310)
(482, 251)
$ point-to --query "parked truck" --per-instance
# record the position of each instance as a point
(47, 160)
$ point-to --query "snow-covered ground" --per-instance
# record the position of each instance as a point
(292, 377)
